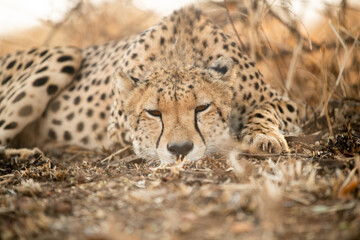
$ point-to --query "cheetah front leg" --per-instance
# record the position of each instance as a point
(264, 127)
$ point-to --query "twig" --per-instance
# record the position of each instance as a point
(233, 26)
(266, 155)
(114, 154)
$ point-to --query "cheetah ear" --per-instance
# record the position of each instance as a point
(221, 68)
(123, 82)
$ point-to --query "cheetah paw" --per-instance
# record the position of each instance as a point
(266, 143)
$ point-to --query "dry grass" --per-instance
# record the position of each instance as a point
(310, 193)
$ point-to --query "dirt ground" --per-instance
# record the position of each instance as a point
(310, 193)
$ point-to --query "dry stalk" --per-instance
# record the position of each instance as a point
(342, 65)
(233, 26)
(275, 59)
(325, 91)
(114, 154)
(292, 67)
(293, 30)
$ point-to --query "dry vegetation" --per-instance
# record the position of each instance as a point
(310, 193)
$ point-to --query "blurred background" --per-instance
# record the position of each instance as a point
(306, 48)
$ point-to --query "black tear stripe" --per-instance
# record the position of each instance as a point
(161, 133)
(197, 128)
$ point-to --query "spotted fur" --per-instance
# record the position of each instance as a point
(182, 87)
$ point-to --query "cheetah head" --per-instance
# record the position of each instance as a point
(177, 111)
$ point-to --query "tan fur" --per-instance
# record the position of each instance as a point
(182, 87)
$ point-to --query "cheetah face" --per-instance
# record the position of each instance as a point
(178, 111)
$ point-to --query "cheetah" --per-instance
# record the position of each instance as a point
(182, 88)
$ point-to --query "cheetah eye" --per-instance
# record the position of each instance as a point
(202, 108)
(154, 113)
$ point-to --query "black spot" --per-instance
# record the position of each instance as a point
(94, 126)
(102, 115)
(68, 70)
(52, 134)
(43, 53)
(256, 85)
(55, 106)
(85, 140)
(280, 109)
(11, 64)
(80, 126)
(32, 50)
(6, 80)
(19, 97)
(46, 58)
(235, 60)
(51, 89)
(191, 86)
(90, 98)
(134, 55)
(262, 98)
(107, 80)
(134, 79)
(28, 64)
(246, 65)
(26, 111)
(70, 116)
(290, 108)
(226, 47)
(72, 88)
(11, 125)
(77, 100)
(244, 78)
(204, 43)
(259, 115)
(160, 90)
(2, 122)
(162, 40)
(67, 136)
(103, 96)
(42, 69)
(89, 112)
(56, 122)
(40, 81)
(65, 58)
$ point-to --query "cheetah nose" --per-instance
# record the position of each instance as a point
(182, 148)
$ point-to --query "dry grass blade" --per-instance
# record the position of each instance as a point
(109, 158)
(233, 27)
(292, 66)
